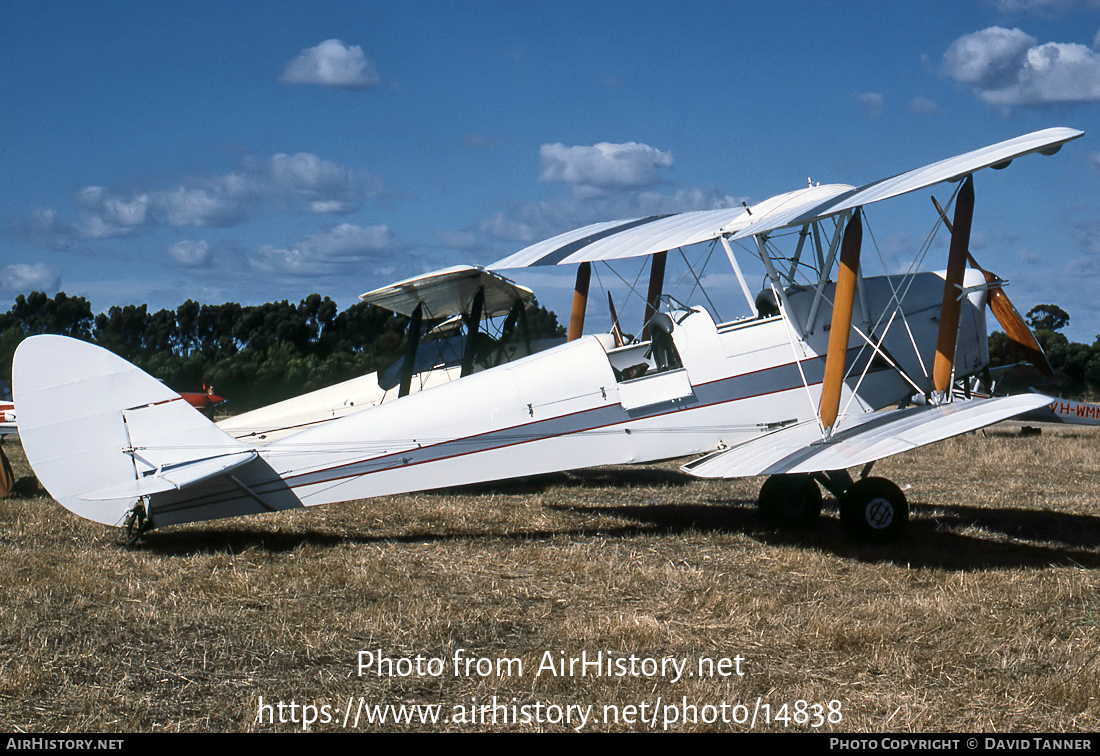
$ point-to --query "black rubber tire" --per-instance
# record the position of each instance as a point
(874, 509)
(790, 502)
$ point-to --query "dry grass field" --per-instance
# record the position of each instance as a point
(986, 617)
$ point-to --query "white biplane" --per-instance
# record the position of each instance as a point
(798, 391)
(438, 305)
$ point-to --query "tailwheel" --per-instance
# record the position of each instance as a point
(791, 502)
(874, 509)
(137, 523)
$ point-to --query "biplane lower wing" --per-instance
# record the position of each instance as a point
(800, 448)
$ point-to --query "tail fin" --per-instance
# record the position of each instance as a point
(100, 433)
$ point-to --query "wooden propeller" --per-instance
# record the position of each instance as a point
(1005, 312)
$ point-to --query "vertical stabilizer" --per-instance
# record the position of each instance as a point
(100, 432)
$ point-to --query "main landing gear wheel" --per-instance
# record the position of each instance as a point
(874, 509)
(791, 502)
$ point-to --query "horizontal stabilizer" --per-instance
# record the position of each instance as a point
(172, 478)
(800, 448)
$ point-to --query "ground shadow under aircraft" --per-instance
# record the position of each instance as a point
(942, 537)
(958, 537)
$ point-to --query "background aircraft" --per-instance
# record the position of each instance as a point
(449, 311)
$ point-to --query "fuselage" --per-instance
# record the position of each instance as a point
(587, 403)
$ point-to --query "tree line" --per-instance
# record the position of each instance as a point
(1077, 365)
(260, 354)
(254, 355)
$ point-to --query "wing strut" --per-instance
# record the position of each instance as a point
(473, 327)
(656, 283)
(842, 321)
(616, 331)
(740, 276)
(580, 301)
(825, 266)
(952, 288)
(412, 342)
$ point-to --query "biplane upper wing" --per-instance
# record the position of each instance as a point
(448, 292)
(639, 237)
(800, 448)
(620, 239)
(1047, 142)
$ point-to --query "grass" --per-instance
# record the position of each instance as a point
(982, 618)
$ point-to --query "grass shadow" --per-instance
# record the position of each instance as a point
(953, 538)
(946, 537)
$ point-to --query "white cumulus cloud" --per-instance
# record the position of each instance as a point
(1006, 67)
(332, 64)
(46, 229)
(302, 181)
(346, 247)
(610, 181)
(925, 107)
(217, 204)
(190, 254)
(23, 278)
(106, 215)
(871, 102)
(326, 187)
(604, 166)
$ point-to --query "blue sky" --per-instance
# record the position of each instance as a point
(257, 151)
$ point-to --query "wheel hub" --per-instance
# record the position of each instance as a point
(879, 513)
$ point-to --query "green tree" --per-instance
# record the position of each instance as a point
(542, 322)
(39, 313)
(1047, 317)
(254, 355)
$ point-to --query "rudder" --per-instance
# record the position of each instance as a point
(100, 432)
